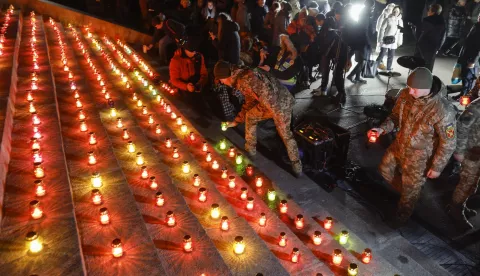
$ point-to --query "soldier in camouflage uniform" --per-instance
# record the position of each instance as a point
(425, 140)
(265, 98)
(467, 152)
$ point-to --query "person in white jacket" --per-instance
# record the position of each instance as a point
(385, 14)
(390, 37)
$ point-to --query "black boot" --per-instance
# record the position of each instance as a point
(456, 213)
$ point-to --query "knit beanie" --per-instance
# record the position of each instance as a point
(420, 78)
(222, 70)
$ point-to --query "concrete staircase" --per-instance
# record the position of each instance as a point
(92, 93)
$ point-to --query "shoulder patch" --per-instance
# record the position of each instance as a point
(450, 131)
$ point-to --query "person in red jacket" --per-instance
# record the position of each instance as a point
(188, 72)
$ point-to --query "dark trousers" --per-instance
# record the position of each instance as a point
(338, 75)
(428, 55)
(468, 78)
(390, 55)
(360, 59)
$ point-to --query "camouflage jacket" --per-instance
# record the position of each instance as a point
(468, 131)
(423, 124)
(264, 91)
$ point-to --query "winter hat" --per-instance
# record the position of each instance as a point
(192, 43)
(420, 78)
(222, 70)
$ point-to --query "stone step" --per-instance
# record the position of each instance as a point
(54, 221)
(395, 252)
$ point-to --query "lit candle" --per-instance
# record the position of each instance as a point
(134, 97)
(139, 159)
(35, 119)
(372, 136)
(92, 140)
(144, 110)
(150, 119)
(175, 153)
(464, 100)
(173, 116)
(153, 183)
(299, 222)
(224, 173)
(76, 95)
(32, 109)
(83, 126)
(196, 180)
(271, 195)
(117, 250)
(263, 220)
(208, 157)
(104, 216)
(119, 123)
(34, 244)
(215, 211)
(144, 173)
(113, 112)
(36, 133)
(139, 103)
(337, 256)
(317, 238)
(343, 237)
(186, 167)
(249, 170)
(38, 170)
(40, 189)
(168, 143)
(184, 128)
(327, 223)
(96, 197)
(29, 97)
(130, 147)
(295, 255)
(96, 180)
(282, 240)
(78, 103)
(91, 158)
(179, 121)
(231, 182)
(158, 130)
(231, 152)
(35, 144)
(352, 269)
(168, 109)
(239, 245)
(37, 157)
(205, 146)
(215, 165)
(171, 219)
(223, 144)
(202, 194)
(125, 135)
(283, 206)
(258, 181)
(244, 193)
(224, 126)
(187, 243)
(35, 209)
(34, 85)
(367, 255)
(192, 136)
(224, 225)
(239, 159)
(81, 115)
(159, 200)
(249, 205)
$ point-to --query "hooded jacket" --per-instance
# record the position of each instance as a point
(228, 42)
(390, 27)
(432, 33)
(385, 14)
(426, 127)
(184, 70)
(241, 15)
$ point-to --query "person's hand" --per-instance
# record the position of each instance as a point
(380, 131)
(212, 36)
(265, 68)
(232, 124)
(190, 87)
(433, 174)
(459, 157)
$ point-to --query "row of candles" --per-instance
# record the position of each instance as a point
(3, 30)
(215, 212)
(36, 211)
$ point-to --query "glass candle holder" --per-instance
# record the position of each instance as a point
(299, 222)
(187, 244)
(239, 245)
(34, 243)
(337, 256)
(317, 238)
(295, 256)
(352, 269)
(243, 193)
(40, 188)
(202, 194)
(170, 219)
(231, 182)
(215, 211)
(327, 223)
(283, 206)
(282, 240)
(159, 199)
(104, 216)
(262, 221)
(224, 224)
(367, 255)
(343, 239)
(96, 197)
(117, 250)
(36, 211)
(153, 183)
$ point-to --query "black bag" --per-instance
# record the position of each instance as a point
(370, 69)
(389, 39)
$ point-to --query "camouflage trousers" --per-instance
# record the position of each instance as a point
(406, 177)
(469, 178)
(282, 123)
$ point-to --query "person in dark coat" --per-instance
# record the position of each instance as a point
(257, 19)
(358, 38)
(469, 58)
(281, 22)
(431, 36)
(227, 40)
(455, 30)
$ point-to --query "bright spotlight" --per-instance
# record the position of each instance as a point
(355, 11)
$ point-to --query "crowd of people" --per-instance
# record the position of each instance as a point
(245, 61)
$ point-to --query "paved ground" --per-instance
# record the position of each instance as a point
(433, 235)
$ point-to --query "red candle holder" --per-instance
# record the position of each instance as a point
(464, 100)
(373, 136)
(367, 255)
